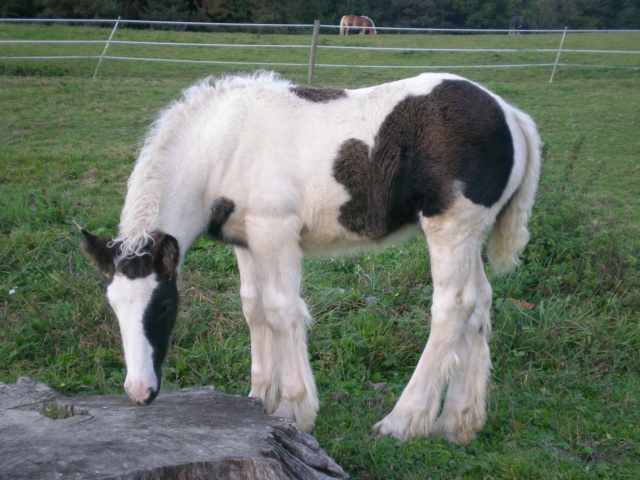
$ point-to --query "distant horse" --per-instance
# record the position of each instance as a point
(365, 24)
(517, 24)
(278, 170)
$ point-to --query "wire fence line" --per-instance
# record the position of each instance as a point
(117, 23)
(323, 47)
(287, 26)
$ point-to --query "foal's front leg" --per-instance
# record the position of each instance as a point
(275, 249)
(265, 375)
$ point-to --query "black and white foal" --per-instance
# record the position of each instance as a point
(279, 170)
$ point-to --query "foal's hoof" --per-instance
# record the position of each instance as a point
(303, 417)
(390, 428)
(454, 432)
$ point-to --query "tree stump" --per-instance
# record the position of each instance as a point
(185, 434)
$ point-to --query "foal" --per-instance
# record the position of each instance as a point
(278, 170)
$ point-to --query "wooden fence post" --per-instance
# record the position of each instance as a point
(314, 45)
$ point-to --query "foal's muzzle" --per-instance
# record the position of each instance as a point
(146, 399)
(141, 393)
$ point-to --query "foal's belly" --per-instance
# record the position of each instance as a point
(331, 238)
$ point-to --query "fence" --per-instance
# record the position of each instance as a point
(556, 51)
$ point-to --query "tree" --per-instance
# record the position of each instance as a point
(76, 8)
(628, 16)
(17, 8)
(311, 10)
(284, 11)
(171, 10)
(392, 13)
(232, 11)
(481, 14)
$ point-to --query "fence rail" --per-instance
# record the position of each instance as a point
(110, 42)
(290, 26)
(325, 47)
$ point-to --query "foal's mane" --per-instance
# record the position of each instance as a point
(154, 171)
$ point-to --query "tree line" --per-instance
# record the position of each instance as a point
(542, 14)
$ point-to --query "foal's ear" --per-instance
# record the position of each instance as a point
(101, 250)
(166, 255)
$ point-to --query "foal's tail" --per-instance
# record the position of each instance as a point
(509, 236)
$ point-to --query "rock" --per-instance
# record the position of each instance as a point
(186, 434)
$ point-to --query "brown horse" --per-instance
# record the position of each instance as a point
(365, 24)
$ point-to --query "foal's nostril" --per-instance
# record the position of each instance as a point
(151, 395)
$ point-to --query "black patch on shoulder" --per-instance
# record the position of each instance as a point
(457, 132)
(221, 210)
(318, 95)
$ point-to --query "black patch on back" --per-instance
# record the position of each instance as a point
(318, 95)
(457, 132)
(221, 210)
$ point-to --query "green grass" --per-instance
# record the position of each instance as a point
(565, 383)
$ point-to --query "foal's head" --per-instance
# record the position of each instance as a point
(144, 296)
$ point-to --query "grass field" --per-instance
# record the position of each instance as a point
(565, 384)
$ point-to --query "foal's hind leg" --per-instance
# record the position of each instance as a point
(452, 249)
(264, 369)
(274, 244)
(464, 411)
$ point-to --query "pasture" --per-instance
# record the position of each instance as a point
(565, 385)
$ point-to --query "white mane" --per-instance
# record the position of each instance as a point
(154, 170)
